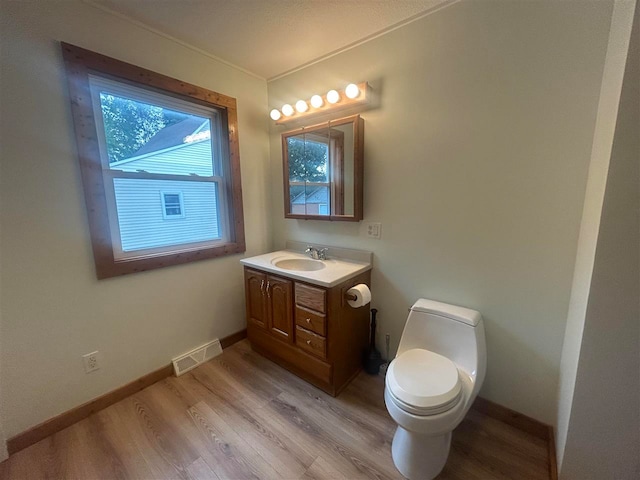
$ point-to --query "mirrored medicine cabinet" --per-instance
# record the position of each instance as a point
(323, 170)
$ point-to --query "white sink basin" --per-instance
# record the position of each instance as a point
(299, 264)
(342, 264)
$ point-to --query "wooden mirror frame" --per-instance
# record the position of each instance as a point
(358, 169)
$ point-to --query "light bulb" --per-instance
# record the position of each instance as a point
(316, 101)
(287, 109)
(275, 114)
(333, 96)
(352, 90)
(302, 106)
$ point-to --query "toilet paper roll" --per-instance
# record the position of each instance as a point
(362, 294)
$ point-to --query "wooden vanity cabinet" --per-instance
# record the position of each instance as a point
(310, 330)
(269, 303)
(254, 283)
(279, 293)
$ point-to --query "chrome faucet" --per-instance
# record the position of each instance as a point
(316, 254)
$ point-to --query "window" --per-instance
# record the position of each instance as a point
(172, 205)
(309, 174)
(160, 165)
(316, 174)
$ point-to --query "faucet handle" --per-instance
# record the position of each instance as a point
(322, 253)
(312, 251)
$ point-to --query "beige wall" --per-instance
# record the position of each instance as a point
(3, 443)
(599, 426)
(476, 162)
(53, 308)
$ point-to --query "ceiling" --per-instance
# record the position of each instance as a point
(271, 37)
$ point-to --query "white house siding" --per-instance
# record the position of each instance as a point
(141, 220)
(182, 160)
(139, 202)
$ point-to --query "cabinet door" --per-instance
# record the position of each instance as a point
(280, 306)
(255, 288)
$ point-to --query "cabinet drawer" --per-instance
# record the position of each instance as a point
(311, 342)
(311, 321)
(310, 297)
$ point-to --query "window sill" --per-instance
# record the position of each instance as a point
(114, 268)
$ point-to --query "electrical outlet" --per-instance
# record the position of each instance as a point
(91, 362)
(374, 230)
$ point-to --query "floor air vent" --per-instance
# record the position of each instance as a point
(195, 357)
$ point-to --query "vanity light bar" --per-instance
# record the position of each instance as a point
(354, 94)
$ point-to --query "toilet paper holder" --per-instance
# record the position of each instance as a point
(358, 295)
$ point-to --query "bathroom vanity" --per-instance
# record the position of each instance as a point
(298, 313)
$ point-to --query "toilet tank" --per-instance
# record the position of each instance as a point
(452, 331)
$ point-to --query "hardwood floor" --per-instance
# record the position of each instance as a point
(241, 416)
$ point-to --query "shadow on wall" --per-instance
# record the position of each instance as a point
(501, 340)
(392, 318)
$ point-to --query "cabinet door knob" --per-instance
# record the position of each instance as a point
(308, 342)
(308, 320)
(262, 287)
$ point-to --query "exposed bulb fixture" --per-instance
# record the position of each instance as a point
(301, 106)
(333, 96)
(351, 96)
(275, 114)
(287, 110)
(316, 101)
(352, 91)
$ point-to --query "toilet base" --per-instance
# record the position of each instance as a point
(419, 457)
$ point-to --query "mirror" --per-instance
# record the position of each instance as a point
(323, 170)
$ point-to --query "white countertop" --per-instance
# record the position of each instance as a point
(336, 270)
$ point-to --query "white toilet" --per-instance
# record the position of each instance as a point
(432, 382)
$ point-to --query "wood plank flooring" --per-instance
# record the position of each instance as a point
(240, 416)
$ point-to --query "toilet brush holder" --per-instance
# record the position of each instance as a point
(372, 357)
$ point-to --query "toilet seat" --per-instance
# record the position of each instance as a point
(423, 382)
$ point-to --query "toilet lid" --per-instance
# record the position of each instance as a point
(424, 380)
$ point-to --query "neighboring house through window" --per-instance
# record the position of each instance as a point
(316, 171)
(151, 149)
(172, 205)
(309, 174)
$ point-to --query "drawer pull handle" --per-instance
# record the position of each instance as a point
(308, 342)
(308, 320)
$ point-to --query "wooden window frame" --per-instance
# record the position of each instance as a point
(79, 64)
